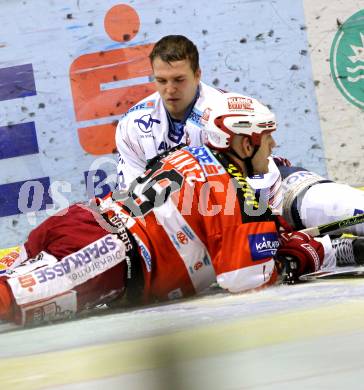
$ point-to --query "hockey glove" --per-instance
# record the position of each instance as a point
(298, 254)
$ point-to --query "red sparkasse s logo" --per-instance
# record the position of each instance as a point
(240, 103)
(27, 281)
(182, 238)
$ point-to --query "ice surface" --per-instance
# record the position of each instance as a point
(303, 336)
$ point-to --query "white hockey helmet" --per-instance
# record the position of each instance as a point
(233, 113)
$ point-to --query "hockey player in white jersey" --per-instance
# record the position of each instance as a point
(170, 116)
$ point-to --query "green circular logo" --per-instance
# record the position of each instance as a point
(347, 59)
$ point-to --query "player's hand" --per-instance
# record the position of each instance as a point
(299, 254)
(281, 161)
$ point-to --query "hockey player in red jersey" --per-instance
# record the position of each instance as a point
(190, 220)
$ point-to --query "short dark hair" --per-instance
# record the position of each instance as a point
(176, 48)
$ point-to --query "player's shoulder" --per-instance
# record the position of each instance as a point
(196, 159)
(202, 107)
(207, 98)
(200, 153)
(207, 91)
(148, 105)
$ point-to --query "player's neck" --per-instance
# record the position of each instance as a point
(238, 163)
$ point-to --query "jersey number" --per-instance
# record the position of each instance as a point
(152, 189)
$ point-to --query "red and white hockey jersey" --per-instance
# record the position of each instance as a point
(195, 221)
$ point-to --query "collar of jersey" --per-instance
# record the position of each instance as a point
(176, 126)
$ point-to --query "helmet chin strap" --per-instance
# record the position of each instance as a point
(246, 160)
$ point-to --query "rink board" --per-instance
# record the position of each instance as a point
(217, 341)
(61, 99)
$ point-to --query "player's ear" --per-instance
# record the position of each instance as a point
(198, 73)
(247, 146)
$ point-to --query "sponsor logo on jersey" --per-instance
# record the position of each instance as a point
(82, 262)
(175, 242)
(202, 155)
(206, 114)
(239, 103)
(198, 265)
(211, 169)
(298, 177)
(145, 123)
(188, 232)
(145, 254)
(257, 176)
(186, 165)
(27, 281)
(195, 117)
(182, 238)
(208, 162)
(145, 105)
(162, 146)
(206, 260)
(119, 221)
(69, 272)
(263, 245)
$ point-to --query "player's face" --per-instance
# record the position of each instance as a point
(260, 160)
(177, 84)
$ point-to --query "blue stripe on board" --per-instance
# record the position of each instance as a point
(17, 82)
(18, 140)
(35, 196)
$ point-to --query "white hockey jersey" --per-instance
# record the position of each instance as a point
(145, 132)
